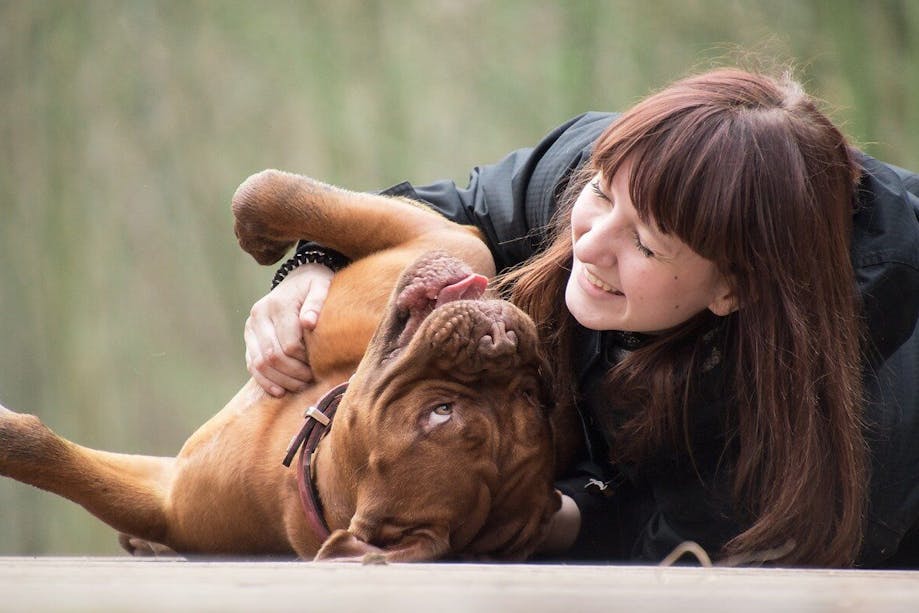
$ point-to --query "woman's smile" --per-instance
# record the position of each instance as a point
(598, 283)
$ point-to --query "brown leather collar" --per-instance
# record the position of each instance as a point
(318, 421)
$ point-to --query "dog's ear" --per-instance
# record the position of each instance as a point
(343, 546)
(419, 546)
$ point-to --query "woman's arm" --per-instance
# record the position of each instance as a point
(513, 200)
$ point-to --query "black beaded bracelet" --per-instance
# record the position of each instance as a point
(310, 253)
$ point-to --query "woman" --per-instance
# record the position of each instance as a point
(697, 278)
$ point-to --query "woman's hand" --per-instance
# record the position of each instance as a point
(563, 528)
(276, 355)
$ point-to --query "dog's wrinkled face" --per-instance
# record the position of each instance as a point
(443, 433)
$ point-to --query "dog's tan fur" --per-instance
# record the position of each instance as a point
(226, 491)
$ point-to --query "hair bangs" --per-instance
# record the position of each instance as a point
(683, 172)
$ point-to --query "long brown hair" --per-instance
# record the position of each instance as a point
(748, 172)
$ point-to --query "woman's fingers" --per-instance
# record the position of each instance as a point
(321, 278)
(276, 352)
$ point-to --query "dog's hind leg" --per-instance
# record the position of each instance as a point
(127, 492)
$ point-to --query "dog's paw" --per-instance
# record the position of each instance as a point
(264, 251)
(140, 548)
(272, 209)
(262, 212)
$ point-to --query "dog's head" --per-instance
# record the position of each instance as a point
(442, 443)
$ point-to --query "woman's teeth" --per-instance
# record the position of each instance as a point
(599, 283)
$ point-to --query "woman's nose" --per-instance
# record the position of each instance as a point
(597, 245)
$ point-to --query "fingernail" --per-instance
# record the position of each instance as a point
(309, 318)
(276, 391)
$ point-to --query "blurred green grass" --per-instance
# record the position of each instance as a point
(126, 126)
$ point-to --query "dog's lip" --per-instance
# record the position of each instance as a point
(412, 324)
(417, 302)
(491, 308)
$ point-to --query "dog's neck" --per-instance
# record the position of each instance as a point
(333, 479)
(304, 446)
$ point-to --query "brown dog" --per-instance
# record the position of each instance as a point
(441, 444)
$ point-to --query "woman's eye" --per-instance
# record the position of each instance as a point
(599, 192)
(641, 248)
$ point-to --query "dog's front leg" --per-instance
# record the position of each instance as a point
(274, 208)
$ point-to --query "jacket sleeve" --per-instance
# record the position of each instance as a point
(644, 518)
(885, 255)
(513, 200)
(602, 535)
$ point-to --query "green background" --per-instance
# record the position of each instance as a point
(126, 126)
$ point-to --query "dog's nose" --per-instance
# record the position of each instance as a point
(499, 343)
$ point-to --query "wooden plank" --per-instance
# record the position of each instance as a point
(109, 584)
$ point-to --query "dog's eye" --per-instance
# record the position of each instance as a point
(440, 414)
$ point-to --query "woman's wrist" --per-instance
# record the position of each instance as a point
(310, 253)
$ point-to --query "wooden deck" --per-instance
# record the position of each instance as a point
(126, 584)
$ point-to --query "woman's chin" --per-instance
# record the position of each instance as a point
(592, 312)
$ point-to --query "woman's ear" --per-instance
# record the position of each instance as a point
(725, 300)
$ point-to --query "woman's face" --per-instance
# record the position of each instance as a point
(629, 276)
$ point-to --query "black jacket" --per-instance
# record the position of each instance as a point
(652, 510)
